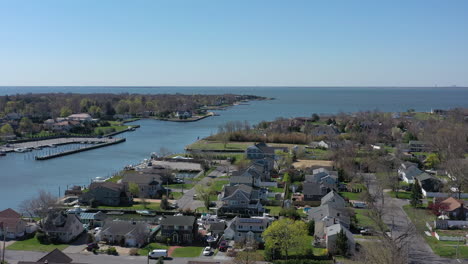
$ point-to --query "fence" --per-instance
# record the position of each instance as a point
(445, 224)
(448, 238)
(439, 194)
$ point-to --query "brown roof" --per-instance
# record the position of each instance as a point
(109, 185)
(56, 256)
(9, 223)
(452, 204)
(9, 213)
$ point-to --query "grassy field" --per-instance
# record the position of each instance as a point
(318, 154)
(363, 218)
(180, 186)
(108, 129)
(276, 189)
(218, 185)
(187, 252)
(176, 195)
(419, 216)
(401, 195)
(274, 210)
(149, 206)
(33, 244)
(309, 163)
(351, 195)
(216, 145)
(144, 251)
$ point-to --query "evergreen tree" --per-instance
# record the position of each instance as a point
(416, 194)
(311, 227)
(342, 243)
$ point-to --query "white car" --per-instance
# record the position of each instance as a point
(207, 251)
(157, 253)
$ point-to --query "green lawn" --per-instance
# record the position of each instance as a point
(401, 195)
(276, 189)
(351, 195)
(149, 206)
(274, 210)
(144, 251)
(177, 195)
(363, 219)
(108, 129)
(187, 252)
(33, 244)
(180, 186)
(114, 179)
(216, 145)
(419, 216)
(218, 185)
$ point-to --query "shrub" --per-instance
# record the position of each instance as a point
(42, 238)
(133, 252)
(112, 251)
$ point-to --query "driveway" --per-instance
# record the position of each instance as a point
(397, 220)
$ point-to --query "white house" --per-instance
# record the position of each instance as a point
(242, 229)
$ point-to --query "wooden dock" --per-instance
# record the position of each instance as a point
(64, 153)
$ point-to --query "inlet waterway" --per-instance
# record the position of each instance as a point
(21, 176)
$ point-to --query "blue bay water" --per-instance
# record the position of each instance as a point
(21, 176)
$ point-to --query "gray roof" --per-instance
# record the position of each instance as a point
(229, 190)
(311, 188)
(142, 178)
(93, 216)
(56, 256)
(217, 226)
(125, 227)
(330, 196)
(412, 172)
(328, 210)
(178, 220)
(58, 222)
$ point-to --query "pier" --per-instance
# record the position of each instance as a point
(105, 142)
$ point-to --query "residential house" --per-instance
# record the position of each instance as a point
(183, 114)
(324, 130)
(429, 184)
(106, 193)
(418, 146)
(334, 199)
(240, 199)
(125, 233)
(408, 171)
(261, 151)
(331, 235)
(454, 209)
(313, 191)
(54, 257)
(330, 215)
(181, 229)
(11, 224)
(74, 191)
(323, 177)
(217, 229)
(252, 176)
(93, 219)
(62, 228)
(149, 184)
(83, 117)
(247, 229)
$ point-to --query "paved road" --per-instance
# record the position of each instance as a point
(397, 220)
(14, 256)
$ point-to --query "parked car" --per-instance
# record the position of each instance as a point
(157, 253)
(207, 251)
(97, 229)
(223, 246)
(366, 232)
(92, 246)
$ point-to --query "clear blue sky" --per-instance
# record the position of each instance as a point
(196, 42)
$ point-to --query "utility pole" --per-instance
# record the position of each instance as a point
(5, 231)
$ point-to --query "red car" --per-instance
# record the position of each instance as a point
(223, 246)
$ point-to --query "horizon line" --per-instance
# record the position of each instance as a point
(239, 86)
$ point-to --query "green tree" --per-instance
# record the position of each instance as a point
(65, 111)
(95, 111)
(6, 130)
(26, 125)
(165, 203)
(341, 243)
(416, 195)
(311, 227)
(133, 188)
(285, 235)
(204, 193)
(432, 161)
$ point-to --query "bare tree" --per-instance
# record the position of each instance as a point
(40, 205)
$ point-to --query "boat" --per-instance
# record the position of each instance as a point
(2, 153)
(52, 146)
(145, 213)
(20, 150)
(38, 148)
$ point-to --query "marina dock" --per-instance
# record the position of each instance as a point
(105, 142)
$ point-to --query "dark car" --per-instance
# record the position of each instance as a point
(223, 246)
(92, 246)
